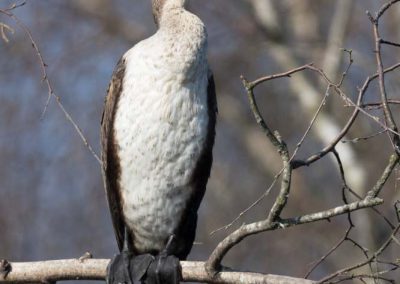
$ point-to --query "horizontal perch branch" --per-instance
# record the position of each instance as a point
(95, 269)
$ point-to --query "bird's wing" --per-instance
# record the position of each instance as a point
(202, 169)
(212, 97)
(111, 165)
(187, 230)
(203, 166)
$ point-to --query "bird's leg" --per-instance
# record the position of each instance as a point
(126, 268)
(166, 267)
(118, 271)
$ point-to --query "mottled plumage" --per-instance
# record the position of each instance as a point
(157, 134)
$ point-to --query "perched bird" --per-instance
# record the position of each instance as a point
(157, 135)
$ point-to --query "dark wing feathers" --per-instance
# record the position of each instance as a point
(203, 166)
(111, 166)
(186, 231)
(212, 98)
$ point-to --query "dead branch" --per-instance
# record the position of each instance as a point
(389, 119)
(388, 241)
(307, 91)
(95, 269)
(273, 221)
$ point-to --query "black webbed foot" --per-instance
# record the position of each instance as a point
(125, 268)
(118, 269)
(5, 268)
(164, 269)
(139, 266)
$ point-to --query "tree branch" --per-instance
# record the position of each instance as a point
(213, 263)
(389, 119)
(95, 269)
(363, 263)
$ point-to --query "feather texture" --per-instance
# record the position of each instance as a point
(158, 131)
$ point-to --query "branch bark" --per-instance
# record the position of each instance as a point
(95, 269)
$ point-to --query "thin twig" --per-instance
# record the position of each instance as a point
(379, 213)
(358, 139)
(255, 83)
(317, 156)
(15, 6)
(255, 203)
(334, 248)
(393, 161)
(313, 120)
(45, 79)
(382, 87)
(3, 31)
(384, 8)
(363, 263)
(377, 105)
(389, 42)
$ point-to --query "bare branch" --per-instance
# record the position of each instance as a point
(324, 215)
(369, 260)
(308, 95)
(15, 6)
(389, 43)
(358, 106)
(379, 104)
(273, 220)
(393, 161)
(378, 54)
(95, 269)
(3, 31)
(384, 8)
(350, 122)
(255, 203)
(213, 263)
(45, 79)
(358, 139)
(334, 248)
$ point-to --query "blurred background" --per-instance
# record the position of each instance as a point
(52, 202)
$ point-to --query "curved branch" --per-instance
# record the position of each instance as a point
(213, 263)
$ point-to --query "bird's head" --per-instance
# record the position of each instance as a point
(159, 5)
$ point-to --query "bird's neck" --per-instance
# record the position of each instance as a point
(177, 21)
(184, 35)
